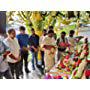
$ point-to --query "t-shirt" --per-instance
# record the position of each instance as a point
(3, 63)
(23, 40)
(34, 41)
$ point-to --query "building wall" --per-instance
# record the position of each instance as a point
(2, 22)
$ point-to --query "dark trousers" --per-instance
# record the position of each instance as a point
(42, 54)
(15, 69)
(60, 55)
(7, 74)
(24, 56)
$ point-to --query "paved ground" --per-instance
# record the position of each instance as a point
(34, 74)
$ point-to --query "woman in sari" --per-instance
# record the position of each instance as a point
(49, 49)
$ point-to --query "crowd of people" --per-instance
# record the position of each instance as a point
(14, 51)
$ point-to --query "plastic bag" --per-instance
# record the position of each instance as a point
(39, 58)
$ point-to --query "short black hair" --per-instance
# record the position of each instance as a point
(50, 31)
(32, 29)
(63, 32)
(50, 27)
(86, 40)
(22, 28)
(44, 30)
(10, 30)
(72, 31)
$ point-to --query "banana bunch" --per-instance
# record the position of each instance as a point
(35, 19)
(48, 20)
(66, 22)
(39, 32)
(58, 22)
(53, 13)
(36, 16)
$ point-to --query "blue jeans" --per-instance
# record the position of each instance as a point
(34, 59)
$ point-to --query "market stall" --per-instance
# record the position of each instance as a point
(72, 65)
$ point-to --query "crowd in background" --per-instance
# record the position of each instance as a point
(14, 51)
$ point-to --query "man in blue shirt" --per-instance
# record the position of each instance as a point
(23, 39)
(34, 44)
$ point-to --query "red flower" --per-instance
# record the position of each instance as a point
(62, 65)
(67, 68)
(86, 53)
(78, 62)
(87, 73)
(74, 72)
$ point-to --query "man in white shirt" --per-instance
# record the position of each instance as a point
(4, 67)
(14, 58)
(73, 41)
(41, 42)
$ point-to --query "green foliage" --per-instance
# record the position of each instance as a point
(48, 18)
